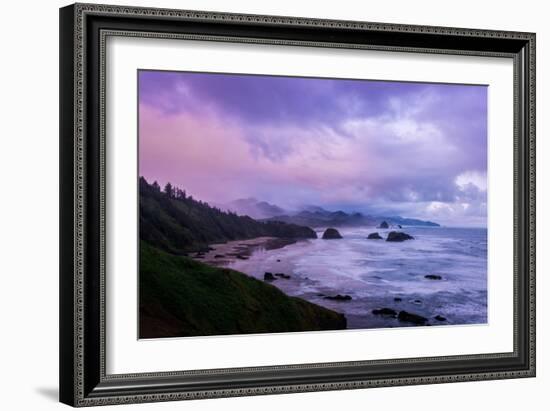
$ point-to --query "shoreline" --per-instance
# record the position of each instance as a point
(222, 254)
(379, 277)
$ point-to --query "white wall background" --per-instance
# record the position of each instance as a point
(29, 204)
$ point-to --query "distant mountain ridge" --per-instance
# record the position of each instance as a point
(325, 218)
(253, 208)
(411, 221)
(319, 217)
(314, 216)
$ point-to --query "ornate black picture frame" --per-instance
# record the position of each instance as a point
(83, 31)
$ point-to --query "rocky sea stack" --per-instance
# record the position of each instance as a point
(338, 297)
(331, 234)
(385, 311)
(374, 236)
(398, 236)
(384, 224)
(269, 277)
(411, 318)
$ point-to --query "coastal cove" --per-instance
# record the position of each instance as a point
(440, 275)
(204, 271)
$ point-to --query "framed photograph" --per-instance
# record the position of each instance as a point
(261, 204)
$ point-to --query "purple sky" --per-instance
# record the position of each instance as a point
(413, 149)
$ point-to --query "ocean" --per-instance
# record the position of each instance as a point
(379, 274)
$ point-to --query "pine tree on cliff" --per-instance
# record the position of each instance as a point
(169, 190)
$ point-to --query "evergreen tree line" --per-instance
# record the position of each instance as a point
(174, 221)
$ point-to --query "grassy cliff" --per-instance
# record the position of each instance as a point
(183, 297)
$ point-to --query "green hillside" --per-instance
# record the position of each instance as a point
(175, 222)
(183, 297)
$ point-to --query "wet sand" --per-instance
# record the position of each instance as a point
(224, 254)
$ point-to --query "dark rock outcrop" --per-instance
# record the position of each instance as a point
(374, 236)
(440, 318)
(241, 257)
(338, 297)
(385, 311)
(432, 277)
(331, 234)
(397, 299)
(219, 256)
(384, 224)
(282, 275)
(397, 236)
(411, 318)
(269, 277)
(283, 230)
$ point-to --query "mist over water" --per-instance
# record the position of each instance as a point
(376, 272)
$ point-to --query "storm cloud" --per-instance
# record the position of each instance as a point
(415, 149)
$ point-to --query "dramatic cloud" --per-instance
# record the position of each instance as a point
(415, 149)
